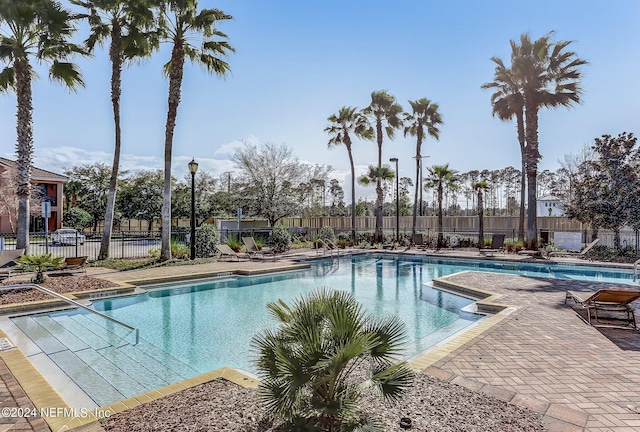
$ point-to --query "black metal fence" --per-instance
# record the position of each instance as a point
(140, 244)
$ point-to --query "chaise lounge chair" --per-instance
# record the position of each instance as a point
(7, 263)
(72, 264)
(497, 245)
(580, 254)
(610, 300)
(225, 251)
(253, 250)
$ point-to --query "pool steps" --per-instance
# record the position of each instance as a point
(101, 357)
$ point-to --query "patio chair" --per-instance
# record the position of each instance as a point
(7, 263)
(497, 245)
(609, 300)
(253, 250)
(225, 251)
(418, 241)
(580, 254)
(74, 264)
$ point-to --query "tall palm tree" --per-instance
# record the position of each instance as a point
(38, 29)
(122, 22)
(480, 187)
(425, 115)
(182, 25)
(441, 177)
(348, 122)
(508, 102)
(385, 113)
(548, 76)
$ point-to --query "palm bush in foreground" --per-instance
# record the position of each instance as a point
(39, 264)
(311, 367)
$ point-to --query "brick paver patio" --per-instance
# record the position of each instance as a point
(546, 351)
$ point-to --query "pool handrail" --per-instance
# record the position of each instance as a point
(635, 270)
(75, 303)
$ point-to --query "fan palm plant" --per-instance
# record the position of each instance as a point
(425, 115)
(307, 364)
(385, 113)
(122, 22)
(349, 123)
(548, 76)
(439, 178)
(33, 29)
(181, 25)
(480, 187)
(39, 264)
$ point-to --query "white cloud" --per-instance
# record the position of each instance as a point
(230, 148)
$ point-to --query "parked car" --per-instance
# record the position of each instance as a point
(67, 236)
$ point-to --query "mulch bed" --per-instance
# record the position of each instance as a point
(59, 284)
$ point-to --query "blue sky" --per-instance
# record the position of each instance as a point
(299, 62)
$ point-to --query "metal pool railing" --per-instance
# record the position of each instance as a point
(76, 304)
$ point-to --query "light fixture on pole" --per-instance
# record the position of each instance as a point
(397, 201)
(193, 168)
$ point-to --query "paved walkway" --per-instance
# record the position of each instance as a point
(543, 351)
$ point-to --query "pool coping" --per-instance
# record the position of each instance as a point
(43, 395)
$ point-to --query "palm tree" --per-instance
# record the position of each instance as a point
(37, 29)
(377, 175)
(122, 22)
(508, 102)
(327, 349)
(480, 187)
(383, 111)
(182, 25)
(441, 177)
(548, 76)
(425, 114)
(349, 122)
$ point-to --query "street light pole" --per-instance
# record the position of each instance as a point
(193, 168)
(397, 201)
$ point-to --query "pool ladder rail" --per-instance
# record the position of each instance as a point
(328, 245)
(76, 304)
(635, 270)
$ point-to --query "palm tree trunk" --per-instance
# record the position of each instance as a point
(532, 172)
(440, 192)
(175, 83)
(379, 193)
(24, 149)
(353, 194)
(480, 221)
(115, 53)
(523, 175)
(418, 185)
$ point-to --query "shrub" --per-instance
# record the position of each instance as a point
(279, 239)
(514, 246)
(77, 218)
(180, 251)
(326, 349)
(206, 240)
(234, 243)
(326, 233)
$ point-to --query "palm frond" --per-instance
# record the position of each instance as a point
(66, 73)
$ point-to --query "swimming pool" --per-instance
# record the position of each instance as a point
(193, 327)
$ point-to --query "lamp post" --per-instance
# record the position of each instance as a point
(193, 167)
(397, 201)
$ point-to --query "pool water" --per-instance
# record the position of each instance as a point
(193, 327)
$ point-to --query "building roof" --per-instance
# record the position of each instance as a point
(549, 198)
(37, 173)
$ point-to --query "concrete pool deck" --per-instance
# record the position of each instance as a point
(540, 355)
